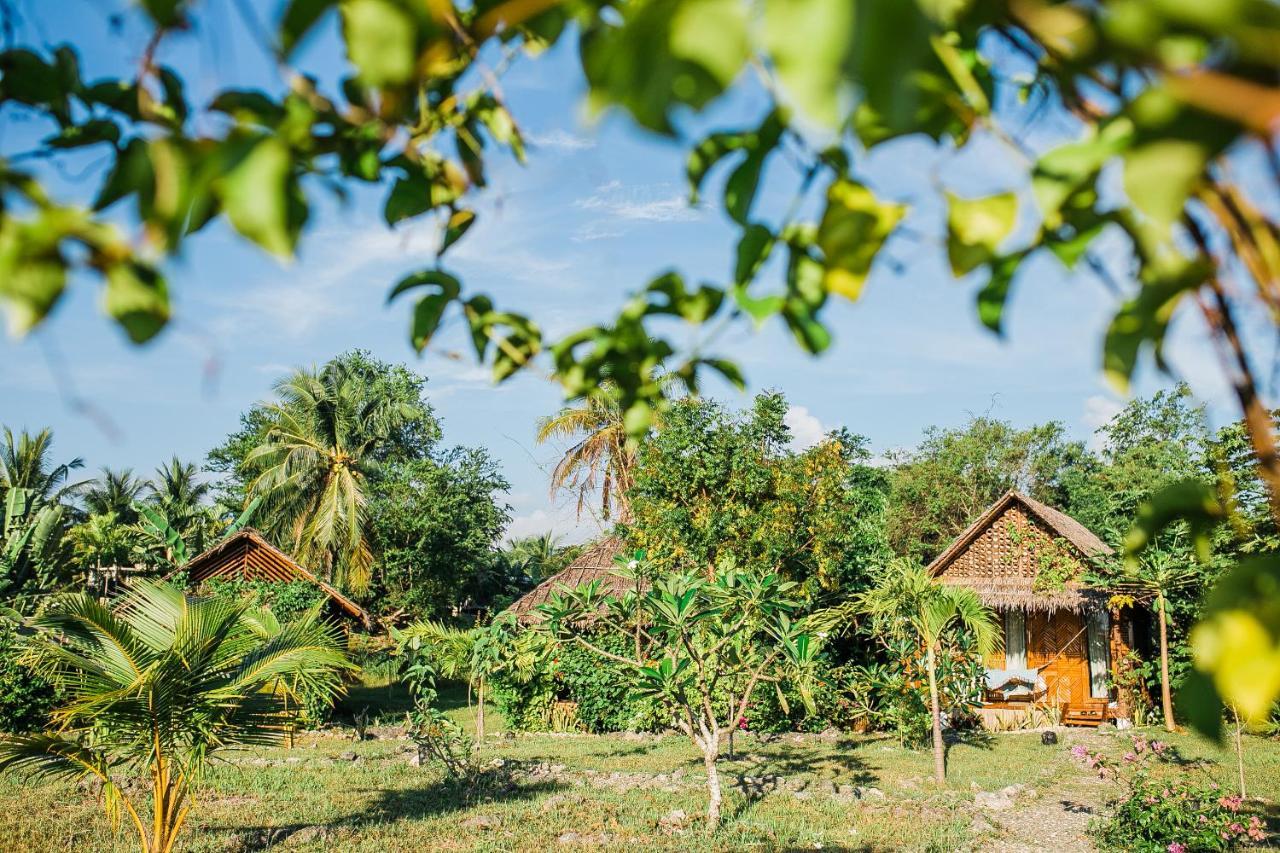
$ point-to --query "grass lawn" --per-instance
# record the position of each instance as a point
(620, 792)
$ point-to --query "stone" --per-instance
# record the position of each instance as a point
(479, 822)
(980, 825)
(673, 822)
(348, 756)
(307, 835)
(830, 733)
(996, 801)
(870, 794)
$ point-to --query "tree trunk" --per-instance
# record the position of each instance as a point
(480, 713)
(1239, 751)
(1166, 697)
(935, 709)
(710, 752)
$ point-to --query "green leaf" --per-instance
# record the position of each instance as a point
(707, 153)
(809, 43)
(298, 19)
(854, 226)
(994, 295)
(460, 222)
(1144, 320)
(1160, 175)
(29, 288)
(713, 34)
(1238, 642)
(138, 298)
(92, 132)
(428, 311)
(446, 283)
(740, 188)
(381, 38)
(249, 104)
(165, 13)
(1189, 501)
(1065, 170)
(257, 196)
(976, 228)
(753, 250)
(1200, 705)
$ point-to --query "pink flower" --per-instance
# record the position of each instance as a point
(1078, 751)
(1231, 804)
(1204, 819)
(1177, 847)
(1235, 829)
(1159, 746)
(1130, 757)
(1139, 744)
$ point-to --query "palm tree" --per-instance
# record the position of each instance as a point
(25, 464)
(101, 540)
(1150, 581)
(599, 459)
(907, 600)
(535, 556)
(157, 688)
(177, 492)
(115, 492)
(312, 468)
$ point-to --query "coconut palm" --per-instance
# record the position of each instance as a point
(536, 556)
(176, 490)
(156, 688)
(25, 464)
(907, 600)
(599, 458)
(312, 468)
(114, 492)
(102, 540)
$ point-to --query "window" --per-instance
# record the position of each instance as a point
(1015, 639)
(1099, 665)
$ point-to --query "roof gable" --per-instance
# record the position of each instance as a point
(594, 564)
(247, 555)
(991, 556)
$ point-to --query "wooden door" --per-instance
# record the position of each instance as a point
(1056, 641)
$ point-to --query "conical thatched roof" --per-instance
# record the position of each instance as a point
(987, 559)
(594, 564)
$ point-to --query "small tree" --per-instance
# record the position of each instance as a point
(158, 687)
(701, 640)
(908, 601)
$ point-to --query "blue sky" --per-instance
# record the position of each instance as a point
(599, 209)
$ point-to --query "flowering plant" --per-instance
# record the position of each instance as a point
(1157, 812)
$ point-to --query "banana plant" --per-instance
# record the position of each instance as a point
(174, 550)
(33, 555)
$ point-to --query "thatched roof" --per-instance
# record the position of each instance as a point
(247, 555)
(594, 564)
(987, 559)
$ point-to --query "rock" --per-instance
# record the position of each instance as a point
(348, 756)
(479, 822)
(980, 825)
(996, 801)
(870, 794)
(845, 790)
(830, 733)
(307, 835)
(673, 822)
(593, 839)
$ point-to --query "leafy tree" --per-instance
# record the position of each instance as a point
(940, 487)
(178, 493)
(703, 640)
(25, 464)
(713, 485)
(102, 540)
(601, 458)
(908, 602)
(539, 556)
(114, 493)
(432, 525)
(1162, 94)
(157, 688)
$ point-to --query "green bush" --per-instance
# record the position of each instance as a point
(25, 698)
(287, 600)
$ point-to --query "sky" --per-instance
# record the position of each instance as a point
(599, 209)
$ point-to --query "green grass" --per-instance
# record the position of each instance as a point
(309, 798)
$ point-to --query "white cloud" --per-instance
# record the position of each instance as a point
(561, 521)
(1098, 411)
(806, 430)
(657, 203)
(559, 140)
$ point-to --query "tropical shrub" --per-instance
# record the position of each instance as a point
(158, 686)
(25, 698)
(286, 600)
(1165, 813)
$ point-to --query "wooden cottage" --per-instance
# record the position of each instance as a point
(246, 555)
(596, 563)
(1061, 639)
